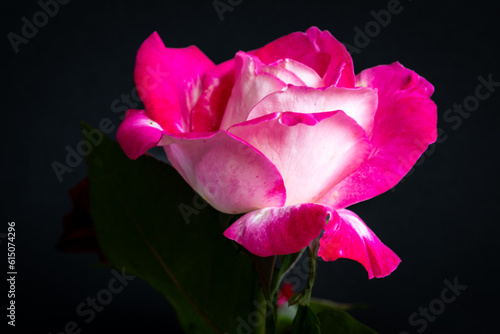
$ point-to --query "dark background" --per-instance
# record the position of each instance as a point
(441, 220)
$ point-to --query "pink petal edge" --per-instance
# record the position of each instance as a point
(227, 172)
(340, 70)
(279, 230)
(310, 157)
(318, 50)
(347, 236)
(138, 133)
(359, 103)
(218, 83)
(250, 86)
(405, 125)
(169, 81)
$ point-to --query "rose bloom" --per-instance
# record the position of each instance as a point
(286, 134)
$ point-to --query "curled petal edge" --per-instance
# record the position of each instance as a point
(279, 230)
(347, 236)
(138, 133)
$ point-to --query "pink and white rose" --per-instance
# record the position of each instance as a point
(287, 135)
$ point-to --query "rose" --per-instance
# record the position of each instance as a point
(286, 134)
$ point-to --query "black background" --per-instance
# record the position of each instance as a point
(441, 220)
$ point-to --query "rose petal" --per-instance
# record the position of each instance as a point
(250, 87)
(281, 73)
(358, 103)
(405, 124)
(217, 85)
(340, 71)
(307, 75)
(138, 133)
(277, 231)
(169, 82)
(228, 173)
(346, 236)
(316, 49)
(295, 46)
(313, 152)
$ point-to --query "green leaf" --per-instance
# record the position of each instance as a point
(334, 321)
(306, 322)
(150, 223)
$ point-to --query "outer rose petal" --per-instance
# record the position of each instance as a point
(250, 87)
(217, 85)
(346, 236)
(277, 231)
(313, 152)
(358, 103)
(169, 82)
(138, 133)
(228, 173)
(405, 124)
